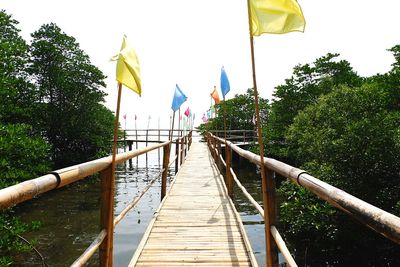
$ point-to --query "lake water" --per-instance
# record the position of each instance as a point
(70, 215)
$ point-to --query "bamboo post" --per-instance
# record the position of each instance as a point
(181, 148)
(190, 138)
(172, 128)
(125, 139)
(136, 132)
(166, 150)
(130, 143)
(111, 187)
(147, 139)
(176, 155)
(219, 163)
(159, 133)
(268, 237)
(105, 213)
(271, 195)
(214, 146)
(229, 178)
(186, 145)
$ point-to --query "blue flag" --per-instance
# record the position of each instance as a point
(225, 88)
(179, 98)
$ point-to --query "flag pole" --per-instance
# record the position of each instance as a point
(268, 236)
(179, 122)
(225, 121)
(110, 230)
(172, 127)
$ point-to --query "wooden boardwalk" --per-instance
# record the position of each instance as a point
(197, 223)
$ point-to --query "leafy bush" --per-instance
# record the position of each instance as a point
(22, 155)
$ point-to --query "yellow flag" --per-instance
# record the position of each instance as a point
(128, 70)
(275, 16)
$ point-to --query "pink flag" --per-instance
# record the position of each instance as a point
(124, 116)
(204, 118)
(187, 112)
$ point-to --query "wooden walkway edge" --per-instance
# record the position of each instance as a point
(197, 223)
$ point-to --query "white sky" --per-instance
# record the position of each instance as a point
(187, 42)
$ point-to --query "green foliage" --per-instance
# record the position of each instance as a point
(16, 93)
(22, 155)
(70, 112)
(10, 243)
(302, 89)
(350, 139)
(353, 131)
(50, 102)
(239, 112)
(344, 130)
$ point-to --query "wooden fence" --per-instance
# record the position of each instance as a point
(27, 190)
(377, 219)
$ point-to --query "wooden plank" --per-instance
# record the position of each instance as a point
(197, 223)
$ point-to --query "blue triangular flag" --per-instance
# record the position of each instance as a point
(179, 98)
(225, 87)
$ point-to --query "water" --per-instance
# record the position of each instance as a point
(70, 215)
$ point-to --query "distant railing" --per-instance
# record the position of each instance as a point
(27, 190)
(377, 219)
(237, 136)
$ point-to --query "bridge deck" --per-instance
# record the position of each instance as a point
(197, 223)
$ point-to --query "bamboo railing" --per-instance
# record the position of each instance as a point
(237, 136)
(30, 189)
(375, 218)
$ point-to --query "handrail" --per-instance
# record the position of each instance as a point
(274, 232)
(18, 193)
(375, 218)
(13, 195)
(88, 253)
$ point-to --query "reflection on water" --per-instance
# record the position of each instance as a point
(71, 215)
(252, 220)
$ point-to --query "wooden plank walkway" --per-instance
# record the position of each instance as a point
(197, 223)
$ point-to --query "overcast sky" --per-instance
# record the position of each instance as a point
(186, 42)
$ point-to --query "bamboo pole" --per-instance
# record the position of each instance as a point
(179, 122)
(272, 209)
(177, 155)
(147, 142)
(136, 132)
(111, 187)
(182, 148)
(268, 239)
(88, 253)
(105, 214)
(166, 155)
(229, 182)
(172, 127)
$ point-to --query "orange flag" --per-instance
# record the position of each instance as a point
(215, 96)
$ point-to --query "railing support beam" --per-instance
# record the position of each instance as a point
(182, 148)
(271, 194)
(106, 247)
(176, 155)
(229, 178)
(166, 150)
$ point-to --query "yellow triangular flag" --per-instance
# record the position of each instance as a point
(275, 16)
(128, 70)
